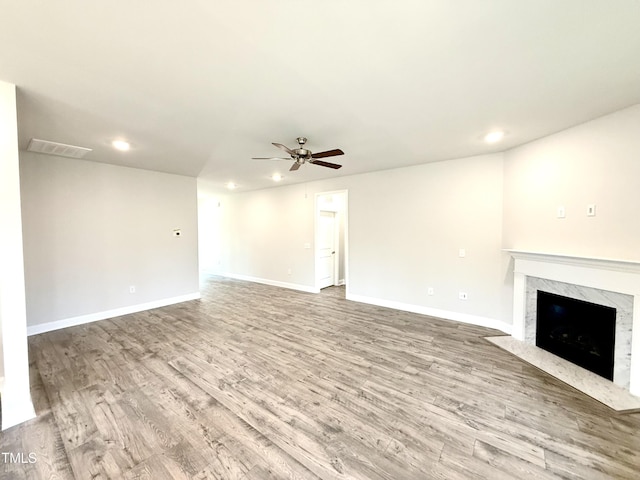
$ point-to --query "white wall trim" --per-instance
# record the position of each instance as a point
(94, 317)
(434, 312)
(274, 283)
(17, 406)
(16, 409)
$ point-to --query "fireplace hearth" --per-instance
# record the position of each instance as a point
(578, 331)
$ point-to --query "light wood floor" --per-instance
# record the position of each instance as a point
(257, 382)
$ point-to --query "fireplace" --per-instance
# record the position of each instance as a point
(611, 284)
(579, 331)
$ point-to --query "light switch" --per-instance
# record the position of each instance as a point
(591, 210)
(560, 212)
(462, 253)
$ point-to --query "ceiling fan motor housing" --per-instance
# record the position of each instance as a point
(303, 153)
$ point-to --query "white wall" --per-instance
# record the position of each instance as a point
(92, 230)
(16, 398)
(594, 163)
(267, 232)
(211, 229)
(405, 227)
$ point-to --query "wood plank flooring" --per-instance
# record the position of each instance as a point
(255, 383)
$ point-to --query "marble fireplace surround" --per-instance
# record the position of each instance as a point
(603, 281)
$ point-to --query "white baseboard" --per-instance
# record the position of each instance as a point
(274, 283)
(17, 407)
(434, 312)
(94, 317)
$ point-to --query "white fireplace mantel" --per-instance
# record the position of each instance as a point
(621, 276)
(615, 275)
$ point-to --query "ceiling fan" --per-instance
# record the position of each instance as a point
(301, 155)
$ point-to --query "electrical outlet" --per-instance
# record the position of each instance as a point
(462, 295)
(430, 291)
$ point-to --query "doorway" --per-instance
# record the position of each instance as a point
(331, 239)
(327, 250)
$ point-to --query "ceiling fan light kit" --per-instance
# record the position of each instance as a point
(302, 155)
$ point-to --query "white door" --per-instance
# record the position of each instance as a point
(326, 250)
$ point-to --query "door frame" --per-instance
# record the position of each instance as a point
(342, 212)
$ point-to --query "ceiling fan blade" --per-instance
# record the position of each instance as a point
(325, 164)
(269, 158)
(328, 153)
(295, 166)
(283, 147)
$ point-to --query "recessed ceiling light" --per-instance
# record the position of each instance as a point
(121, 145)
(231, 186)
(493, 137)
(276, 177)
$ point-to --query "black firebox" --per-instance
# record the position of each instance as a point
(581, 332)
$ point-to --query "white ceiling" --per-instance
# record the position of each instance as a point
(198, 87)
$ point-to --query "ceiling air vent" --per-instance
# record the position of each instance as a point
(59, 149)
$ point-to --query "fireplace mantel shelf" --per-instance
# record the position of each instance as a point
(576, 260)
